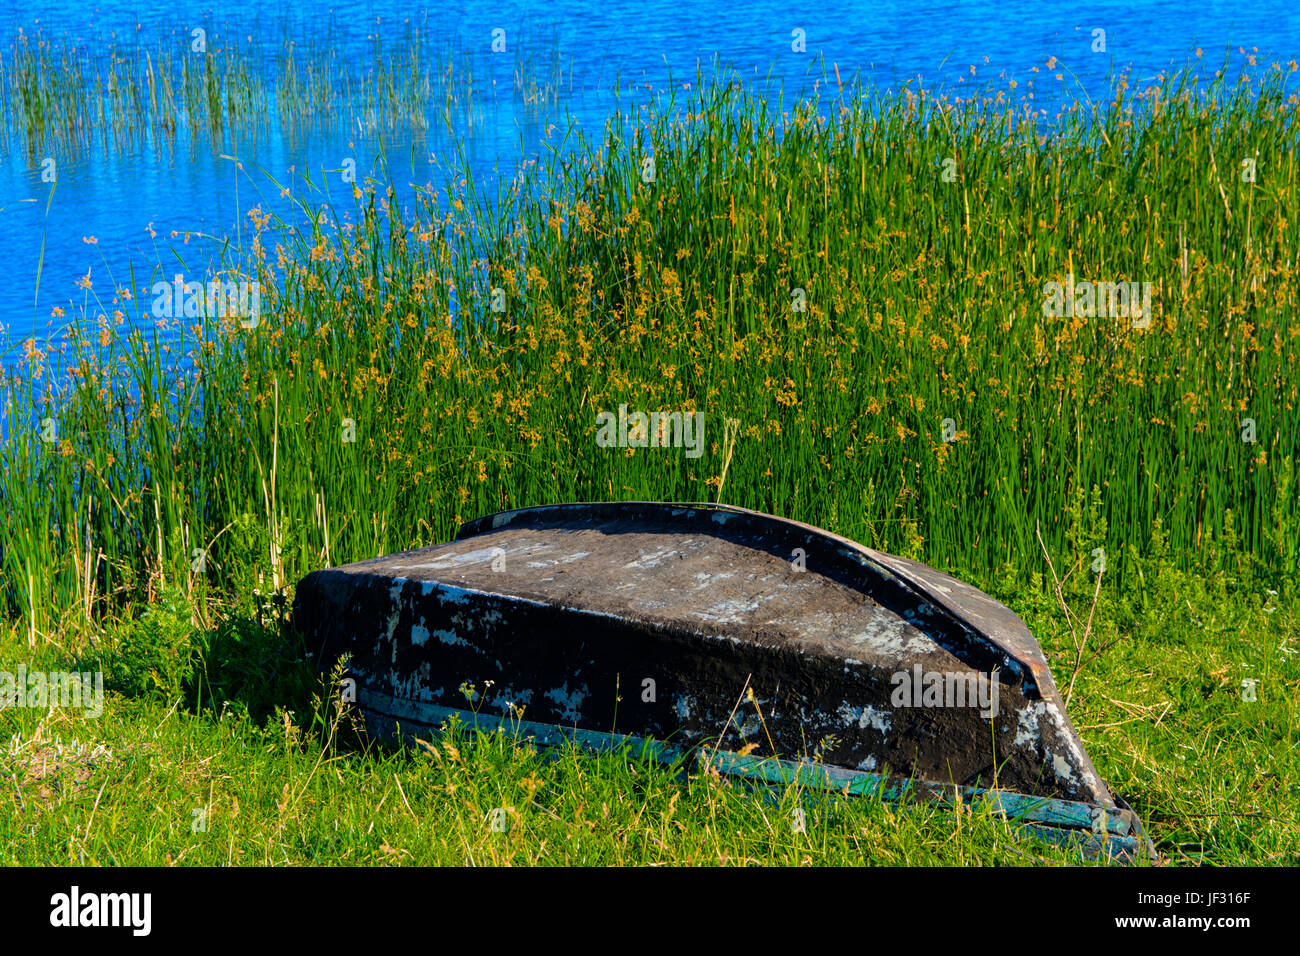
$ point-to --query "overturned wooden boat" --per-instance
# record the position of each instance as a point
(755, 642)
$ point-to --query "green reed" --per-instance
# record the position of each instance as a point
(924, 321)
(53, 93)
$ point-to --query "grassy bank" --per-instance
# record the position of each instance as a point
(853, 294)
(235, 762)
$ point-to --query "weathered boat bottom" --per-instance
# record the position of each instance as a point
(1097, 832)
(652, 618)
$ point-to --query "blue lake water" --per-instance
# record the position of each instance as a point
(129, 205)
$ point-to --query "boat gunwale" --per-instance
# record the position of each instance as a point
(1053, 818)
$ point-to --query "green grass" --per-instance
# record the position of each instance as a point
(280, 779)
(924, 303)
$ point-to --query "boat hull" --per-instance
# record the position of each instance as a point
(706, 626)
